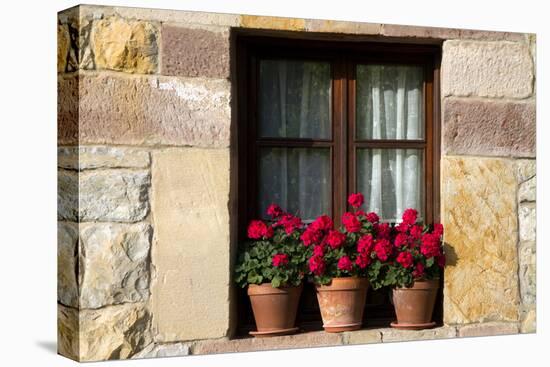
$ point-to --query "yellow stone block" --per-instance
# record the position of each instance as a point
(288, 24)
(478, 197)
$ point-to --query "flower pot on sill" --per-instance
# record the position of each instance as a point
(274, 309)
(414, 305)
(342, 303)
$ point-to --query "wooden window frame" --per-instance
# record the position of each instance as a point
(343, 57)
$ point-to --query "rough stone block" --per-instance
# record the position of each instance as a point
(527, 222)
(527, 272)
(67, 263)
(480, 35)
(138, 110)
(395, 30)
(486, 69)
(479, 207)
(190, 197)
(528, 190)
(303, 340)
(92, 157)
(67, 195)
(195, 52)
(114, 332)
(68, 332)
(280, 23)
(365, 336)
(163, 350)
(490, 128)
(335, 26)
(525, 169)
(113, 195)
(114, 265)
(125, 45)
(63, 46)
(67, 109)
(395, 335)
(488, 329)
(529, 321)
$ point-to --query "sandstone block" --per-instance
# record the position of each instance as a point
(395, 30)
(67, 195)
(195, 52)
(479, 207)
(132, 110)
(67, 263)
(68, 332)
(488, 329)
(303, 340)
(190, 199)
(525, 169)
(395, 335)
(125, 45)
(114, 263)
(92, 157)
(163, 350)
(528, 190)
(114, 195)
(63, 46)
(490, 128)
(529, 321)
(280, 23)
(115, 332)
(365, 336)
(67, 109)
(334, 26)
(527, 272)
(527, 222)
(486, 69)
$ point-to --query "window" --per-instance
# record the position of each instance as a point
(319, 120)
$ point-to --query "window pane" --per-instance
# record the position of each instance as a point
(294, 99)
(391, 181)
(298, 179)
(389, 102)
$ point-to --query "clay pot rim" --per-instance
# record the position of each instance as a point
(421, 284)
(344, 283)
(267, 288)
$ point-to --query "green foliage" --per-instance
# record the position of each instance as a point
(255, 261)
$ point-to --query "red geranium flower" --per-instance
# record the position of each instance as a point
(373, 217)
(351, 222)
(431, 245)
(335, 239)
(317, 265)
(280, 260)
(405, 259)
(318, 251)
(363, 260)
(322, 223)
(344, 263)
(401, 240)
(365, 244)
(438, 229)
(383, 249)
(274, 211)
(416, 232)
(310, 237)
(289, 222)
(383, 230)
(356, 200)
(409, 216)
(257, 229)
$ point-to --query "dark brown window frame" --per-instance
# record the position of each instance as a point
(343, 57)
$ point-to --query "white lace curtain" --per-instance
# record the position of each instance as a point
(389, 106)
(294, 102)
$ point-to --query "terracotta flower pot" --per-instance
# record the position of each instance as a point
(274, 309)
(414, 306)
(342, 303)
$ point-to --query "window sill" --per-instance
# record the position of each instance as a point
(319, 339)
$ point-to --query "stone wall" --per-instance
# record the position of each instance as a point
(144, 119)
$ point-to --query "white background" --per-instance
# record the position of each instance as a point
(28, 182)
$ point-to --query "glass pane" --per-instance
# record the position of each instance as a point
(391, 181)
(294, 99)
(298, 179)
(389, 102)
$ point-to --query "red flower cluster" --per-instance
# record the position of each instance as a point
(405, 259)
(431, 245)
(258, 229)
(335, 239)
(350, 221)
(383, 249)
(274, 211)
(356, 200)
(344, 263)
(280, 260)
(317, 265)
(289, 222)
